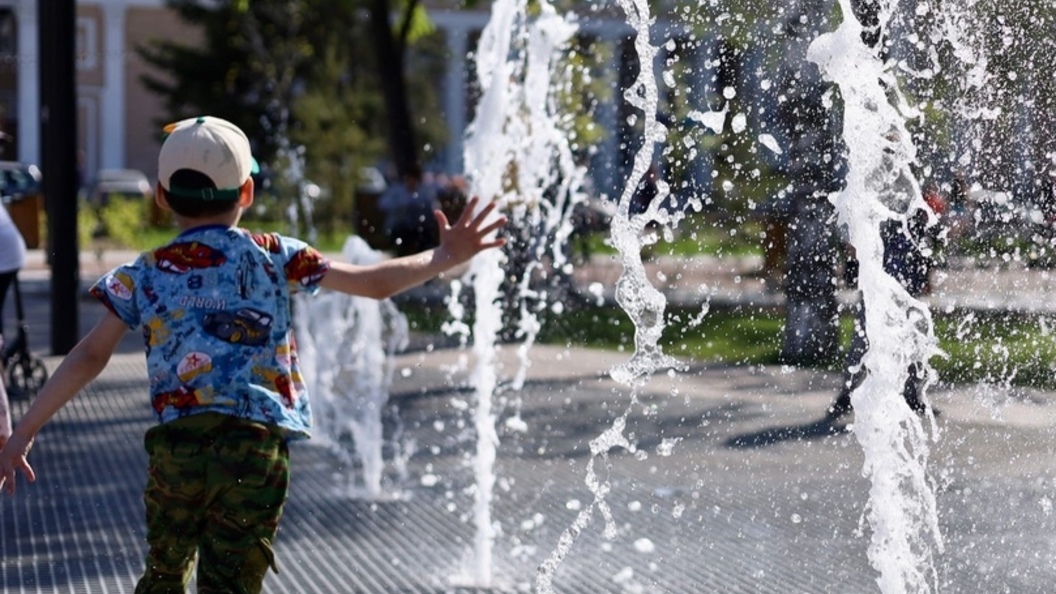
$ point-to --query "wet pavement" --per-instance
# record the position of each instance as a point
(733, 485)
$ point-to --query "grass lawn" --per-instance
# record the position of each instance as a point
(978, 349)
(697, 235)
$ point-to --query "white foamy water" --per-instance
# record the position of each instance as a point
(517, 154)
(640, 299)
(346, 345)
(880, 187)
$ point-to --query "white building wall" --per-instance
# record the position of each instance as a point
(28, 105)
(112, 104)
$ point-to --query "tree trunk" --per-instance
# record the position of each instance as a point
(390, 55)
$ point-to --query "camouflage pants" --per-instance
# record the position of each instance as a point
(215, 492)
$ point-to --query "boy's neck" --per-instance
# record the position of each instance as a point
(227, 219)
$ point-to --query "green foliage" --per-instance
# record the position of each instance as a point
(1002, 350)
(997, 349)
(120, 224)
(585, 81)
(241, 64)
(88, 224)
(739, 236)
(298, 74)
(419, 24)
(697, 234)
(337, 121)
(124, 220)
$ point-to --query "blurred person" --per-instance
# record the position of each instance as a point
(646, 191)
(12, 259)
(908, 259)
(408, 206)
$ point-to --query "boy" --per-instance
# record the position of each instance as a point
(214, 309)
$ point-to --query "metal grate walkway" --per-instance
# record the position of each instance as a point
(732, 506)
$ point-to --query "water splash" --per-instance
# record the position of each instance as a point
(518, 155)
(881, 187)
(346, 345)
(642, 301)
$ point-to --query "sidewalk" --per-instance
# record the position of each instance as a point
(721, 283)
(729, 282)
(734, 487)
(732, 282)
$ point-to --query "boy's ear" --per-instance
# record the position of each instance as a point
(161, 198)
(245, 194)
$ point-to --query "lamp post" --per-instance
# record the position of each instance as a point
(58, 119)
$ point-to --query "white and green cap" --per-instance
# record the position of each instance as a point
(214, 147)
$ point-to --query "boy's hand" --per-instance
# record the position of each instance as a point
(12, 457)
(468, 236)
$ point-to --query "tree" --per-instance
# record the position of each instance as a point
(245, 68)
(337, 121)
(292, 75)
(390, 47)
(258, 57)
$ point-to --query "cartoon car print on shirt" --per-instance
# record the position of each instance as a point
(246, 326)
(268, 241)
(180, 398)
(283, 384)
(120, 285)
(180, 258)
(307, 267)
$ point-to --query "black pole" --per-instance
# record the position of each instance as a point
(58, 119)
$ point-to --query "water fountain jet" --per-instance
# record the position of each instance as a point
(518, 155)
(880, 186)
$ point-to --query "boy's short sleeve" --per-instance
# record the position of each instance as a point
(117, 291)
(303, 265)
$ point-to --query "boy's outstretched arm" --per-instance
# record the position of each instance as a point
(458, 243)
(81, 366)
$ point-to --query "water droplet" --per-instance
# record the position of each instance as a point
(644, 545)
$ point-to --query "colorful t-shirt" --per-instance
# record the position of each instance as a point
(214, 309)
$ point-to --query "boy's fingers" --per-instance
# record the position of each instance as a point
(494, 226)
(483, 214)
(28, 471)
(467, 211)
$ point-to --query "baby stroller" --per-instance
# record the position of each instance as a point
(26, 373)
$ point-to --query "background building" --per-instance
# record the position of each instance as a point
(118, 119)
(115, 113)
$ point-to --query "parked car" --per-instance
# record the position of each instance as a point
(124, 184)
(119, 183)
(18, 181)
